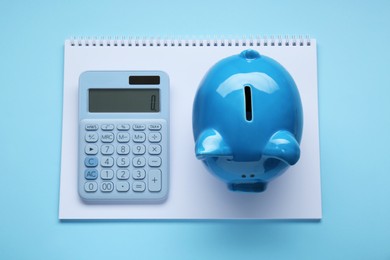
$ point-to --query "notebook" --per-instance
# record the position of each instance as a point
(193, 192)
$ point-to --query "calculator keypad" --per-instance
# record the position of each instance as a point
(123, 160)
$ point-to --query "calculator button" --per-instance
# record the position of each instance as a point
(90, 186)
(139, 149)
(91, 149)
(107, 174)
(123, 137)
(139, 186)
(123, 149)
(91, 161)
(107, 149)
(107, 162)
(91, 174)
(154, 137)
(91, 127)
(123, 174)
(139, 127)
(107, 138)
(139, 161)
(107, 127)
(123, 161)
(139, 137)
(154, 180)
(154, 149)
(123, 127)
(91, 137)
(106, 186)
(139, 174)
(154, 127)
(122, 186)
(154, 161)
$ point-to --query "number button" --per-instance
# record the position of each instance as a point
(107, 149)
(154, 149)
(90, 186)
(139, 186)
(139, 137)
(107, 138)
(154, 180)
(107, 162)
(154, 137)
(139, 161)
(123, 174)
(139, 174)
(91, 161)
(122, 186)
(123, 161)
(107, 186)
(107, 174)
(90, 174)
(139, 149)
(91, 149)
(123, 137)
(123, 149)
(91, 137)
(154, 161)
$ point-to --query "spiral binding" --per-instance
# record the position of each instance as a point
(208, 42)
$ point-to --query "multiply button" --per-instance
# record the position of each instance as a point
(155, 149)
(154, 137)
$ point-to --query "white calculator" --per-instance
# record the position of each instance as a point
(123, 136)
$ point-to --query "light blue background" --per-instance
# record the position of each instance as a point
(354, 98)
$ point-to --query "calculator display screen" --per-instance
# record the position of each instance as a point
(124, 100)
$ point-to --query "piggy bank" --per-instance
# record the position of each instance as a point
(247, 121)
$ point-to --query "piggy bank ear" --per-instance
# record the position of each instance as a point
(283, 146)
(210, 143)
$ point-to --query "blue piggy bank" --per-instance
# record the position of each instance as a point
(247, 121)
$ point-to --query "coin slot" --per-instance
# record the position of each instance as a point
(248, 103)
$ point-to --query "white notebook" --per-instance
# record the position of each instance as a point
(193, 192)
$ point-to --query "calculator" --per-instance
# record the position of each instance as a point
(123, 136)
